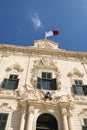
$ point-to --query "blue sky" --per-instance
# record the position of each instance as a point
(23, 21)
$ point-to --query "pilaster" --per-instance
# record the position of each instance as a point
(30, 118)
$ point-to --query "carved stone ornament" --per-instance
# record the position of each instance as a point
(16, 67)
(29, 93)
(7, 106)
(82, 115)
(44, 63)
(75, 72)
(46, 44)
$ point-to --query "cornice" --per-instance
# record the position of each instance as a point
(7, 48)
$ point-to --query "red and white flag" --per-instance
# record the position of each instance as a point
(51, 33)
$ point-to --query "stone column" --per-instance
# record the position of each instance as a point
(64, 117)
(22, 123)
(30, 119)
(70, 122)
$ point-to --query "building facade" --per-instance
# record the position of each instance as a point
(42, 87)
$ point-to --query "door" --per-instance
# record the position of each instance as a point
(46, 122)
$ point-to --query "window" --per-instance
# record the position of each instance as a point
(3, 121)
(79, 88)
(46, 82)
(10, 83)
(85, 124)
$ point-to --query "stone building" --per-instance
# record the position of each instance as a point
(42, 87)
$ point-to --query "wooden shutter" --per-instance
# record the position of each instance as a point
(85, 89)
(53, 84)
(4, 83)
(3, 121)
(78, 89)
(16, 84)
(84, 127)
(74, 89)
(39, 82)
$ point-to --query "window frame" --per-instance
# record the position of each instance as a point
(10, 83)
(46, 78)
(79, 88)
(4, 121)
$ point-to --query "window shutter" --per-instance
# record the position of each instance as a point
(39, 83)
(74, 89)
(78, 89)
(4, 83)
(16, 84)
(53, 84)
(84, 127)
(3, 121)
(85, 121)
(85, 89)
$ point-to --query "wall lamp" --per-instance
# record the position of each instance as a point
(48, 97)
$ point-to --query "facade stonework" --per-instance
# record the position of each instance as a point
(43, 87)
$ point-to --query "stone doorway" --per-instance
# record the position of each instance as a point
(46, 122)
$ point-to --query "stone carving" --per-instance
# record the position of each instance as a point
(7, 106)
(16, 67)
(75, 72)
(46, 44)
(84, 112)
(82, 115)
(47, 64)
(28, 93)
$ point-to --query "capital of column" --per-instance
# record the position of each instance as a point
(31, 109)
(64, 111)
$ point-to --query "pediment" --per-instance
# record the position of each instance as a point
(47, 44)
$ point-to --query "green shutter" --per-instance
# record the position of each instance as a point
(39, 83)
(53, 84)
(3, 121)
(74, 89)
(84, 127)
(85, 89)
(16, 83)
(4, 83)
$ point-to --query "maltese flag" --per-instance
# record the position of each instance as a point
(51, 33)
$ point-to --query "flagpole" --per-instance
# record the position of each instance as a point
(45, 36)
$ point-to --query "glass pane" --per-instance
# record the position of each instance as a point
(44, 75)
(12, 84)
(49, 75)
(4, 117)
(76, 81)
(80, 82)
(13, 76)
(3, 120)
(85, 121)
(46, 84)
(79, 90)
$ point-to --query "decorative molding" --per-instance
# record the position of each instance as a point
(27, 93)
(16, 67)
(46, 44)
(75, 72)
(7, 106)
(8, 49)
(82, 115)
(47, 64)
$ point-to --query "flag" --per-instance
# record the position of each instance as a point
(51, 33)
